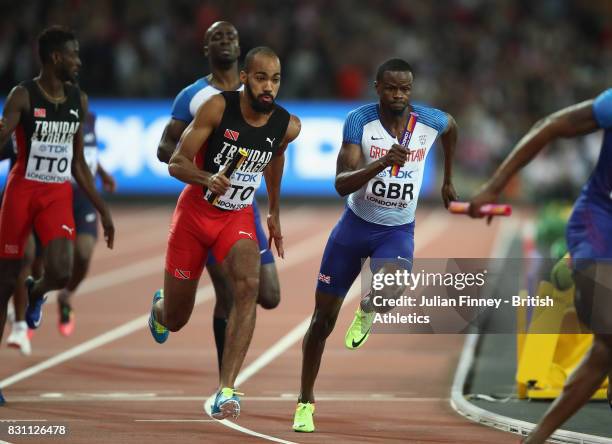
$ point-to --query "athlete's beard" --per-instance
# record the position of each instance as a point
(258, 106)
(65, 75)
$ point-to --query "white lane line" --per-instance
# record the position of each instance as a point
(174, 420)
(23, 420)
(303, 251)
(427, 232)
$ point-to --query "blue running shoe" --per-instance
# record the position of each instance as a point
(33, 314)
(226, 404)
(2, 400)
(158, 331)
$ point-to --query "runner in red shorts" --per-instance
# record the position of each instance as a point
(223, 125)
(46, 115)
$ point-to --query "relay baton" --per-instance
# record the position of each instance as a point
(405, 139)
(237, 160)
(486, 210)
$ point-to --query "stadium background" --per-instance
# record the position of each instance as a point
(495, 66)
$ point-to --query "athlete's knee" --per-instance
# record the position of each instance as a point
(174, 320)
(175, 323)
(246, 287)
(269, 300)
(323, 323)
(82, 258)
(57, 276)
(269, 294)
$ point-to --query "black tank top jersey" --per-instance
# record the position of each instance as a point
(51, 128)
(233, 133)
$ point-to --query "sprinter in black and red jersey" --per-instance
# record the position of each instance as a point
(46, 114)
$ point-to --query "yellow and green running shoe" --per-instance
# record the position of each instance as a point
(359, 331)
(302, 421)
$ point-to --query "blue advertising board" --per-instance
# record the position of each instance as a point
(129, 131)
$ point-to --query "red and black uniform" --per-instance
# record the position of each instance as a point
(198, 226)
(38, 192)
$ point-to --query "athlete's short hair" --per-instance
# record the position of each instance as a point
(393, 65)
(53, 39)
(258, 50)
(209, 31)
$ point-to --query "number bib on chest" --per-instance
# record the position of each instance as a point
(240, 193)
(49, 162)
(390, 192)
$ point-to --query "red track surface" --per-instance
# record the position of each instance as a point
(395, 389)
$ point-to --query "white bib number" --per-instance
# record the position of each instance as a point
(49, 162)
(389, 192)
(240, 193)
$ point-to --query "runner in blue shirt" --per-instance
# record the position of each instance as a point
(589, 239)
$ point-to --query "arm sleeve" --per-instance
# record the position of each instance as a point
(180, 107)
(602, 109)
(441, 121)
(353, 128)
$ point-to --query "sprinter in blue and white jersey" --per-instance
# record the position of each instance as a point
(378, 221)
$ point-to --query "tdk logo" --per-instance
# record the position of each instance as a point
(244, 177)
(402, 174)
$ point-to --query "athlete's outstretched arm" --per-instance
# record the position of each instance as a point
(350, 177)
(573, 121)
(274, 174)
(181, 164)
(82, 176)
(170, 138)
(449, 141)
(16, 103)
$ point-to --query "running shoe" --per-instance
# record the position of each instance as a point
(302, 421)
(66, 319)
(33, 314)
(359, 331)
(158, 331)
(227, 403)
(2, 400)
(19, 339)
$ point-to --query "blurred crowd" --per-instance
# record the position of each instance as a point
(497, 66)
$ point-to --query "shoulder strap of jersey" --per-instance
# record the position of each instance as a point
(280, 118)
(33, 91)
(73, 92)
